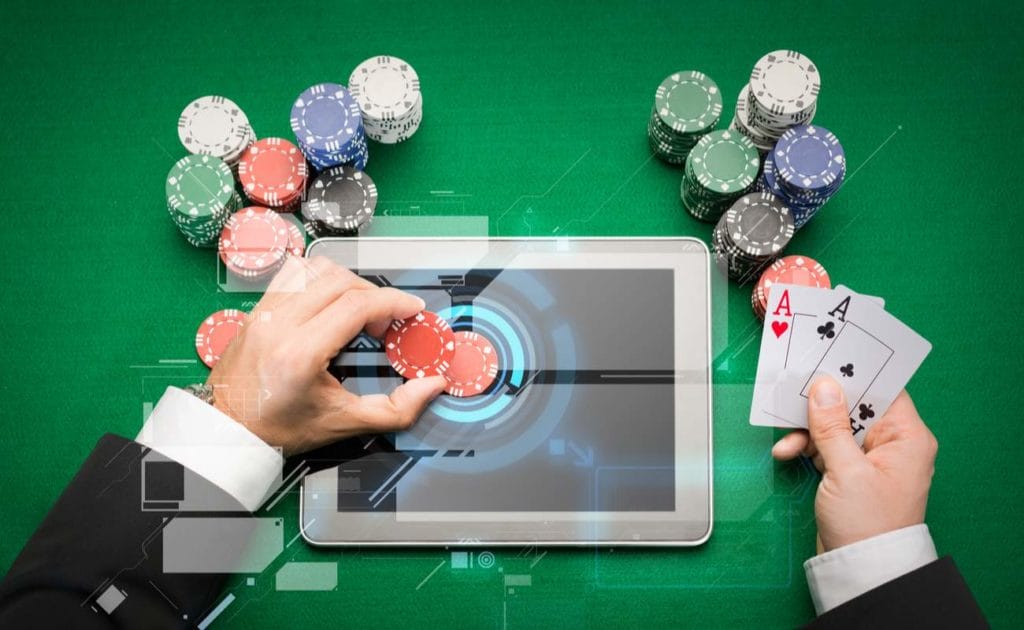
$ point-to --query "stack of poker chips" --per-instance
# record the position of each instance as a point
(387, 90)
(328, 127)
(805, 169)
(272, 173)
(200, 197)
(256, 241)
(719, 170)
(340, 202)
(687, 105)
(215, 125)
(782, 92)
(799, 270)
(751, 234)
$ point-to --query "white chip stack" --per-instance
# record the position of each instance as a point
(388, 92)
(782, 93)
(217, 126)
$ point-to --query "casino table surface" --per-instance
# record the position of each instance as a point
(535, 116)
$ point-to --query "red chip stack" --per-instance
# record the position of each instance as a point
(273, 173)
(256, 241)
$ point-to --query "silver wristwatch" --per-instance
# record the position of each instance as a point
(201, 391)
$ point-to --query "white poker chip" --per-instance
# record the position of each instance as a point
(389, 96)
(214, 125)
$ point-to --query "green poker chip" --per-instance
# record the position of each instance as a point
(201, 196)
(721, 167)
(724, 162)
(199, 186)
(688, 102)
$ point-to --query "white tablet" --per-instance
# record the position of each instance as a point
(596, 430)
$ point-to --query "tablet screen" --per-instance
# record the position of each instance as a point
(579, 418)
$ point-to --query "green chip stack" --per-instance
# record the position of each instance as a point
(200, 197)
(687, 105)
(720, 169)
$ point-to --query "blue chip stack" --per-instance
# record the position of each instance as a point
(806, 167)
(328, 127)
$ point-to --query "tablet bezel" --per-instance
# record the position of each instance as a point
(322, 525)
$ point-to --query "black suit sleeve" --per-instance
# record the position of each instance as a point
(934, 596)
(97, 536)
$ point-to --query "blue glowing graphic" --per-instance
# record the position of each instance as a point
(515, 416)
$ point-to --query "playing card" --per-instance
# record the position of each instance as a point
(786, 336)
(868, 351)
(828, 312)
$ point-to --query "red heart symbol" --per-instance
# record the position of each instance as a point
(779, 327)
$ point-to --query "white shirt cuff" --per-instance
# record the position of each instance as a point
(835, 577)
(204, 440)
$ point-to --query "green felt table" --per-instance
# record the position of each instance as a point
(535, 117)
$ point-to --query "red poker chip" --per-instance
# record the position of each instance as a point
(422, 345)
(798, 270)
(474, 366)
(216, 333)
(273, 172)
(254, 242)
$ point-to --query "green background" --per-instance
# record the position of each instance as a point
(535, 117)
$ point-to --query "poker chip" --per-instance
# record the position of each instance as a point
(215, 126)
(785, 84)
(474, 365)
(273, 173)
(805, 169)
(721, 168)
(809, 158)
(387, 90)
(200, 197)
(422, 345)
(328, 127)
(798, 270)
(782, 92)
(751, 234)
(216, 333)
(255, 242)
(687, 105)
(340, 202)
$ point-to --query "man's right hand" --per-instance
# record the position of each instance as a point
(274, 376)
(863, 493)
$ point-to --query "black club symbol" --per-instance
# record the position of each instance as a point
(866, 412)
(847, 369)
(828, 329)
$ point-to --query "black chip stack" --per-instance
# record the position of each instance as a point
(751, 234)
(340, 202)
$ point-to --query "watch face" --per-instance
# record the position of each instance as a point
(202, 392)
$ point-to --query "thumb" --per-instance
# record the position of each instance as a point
(830, 425)
(400, 409)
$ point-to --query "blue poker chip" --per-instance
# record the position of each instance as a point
(803, 209)
(809, 158)
(772, 184)
(353, 152)
(326, 118)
